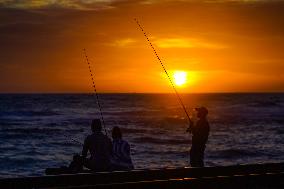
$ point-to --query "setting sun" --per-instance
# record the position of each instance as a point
(242, 53)
(180, 78)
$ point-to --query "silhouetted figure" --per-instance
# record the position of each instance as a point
(200, 132)
(100, 148)
(76, 165)
(121, 159)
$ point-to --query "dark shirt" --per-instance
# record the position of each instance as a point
(100, 147)
(200, 132)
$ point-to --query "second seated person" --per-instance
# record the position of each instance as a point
(121, 159)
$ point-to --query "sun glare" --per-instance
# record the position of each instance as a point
(180, 78)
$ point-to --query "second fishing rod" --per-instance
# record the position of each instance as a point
(165, 70)
(95, 90)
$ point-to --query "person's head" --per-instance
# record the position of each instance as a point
(201, 112)
(96, 125)
(116, 133)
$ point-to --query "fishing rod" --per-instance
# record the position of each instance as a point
(74, 140)
(164, 68)
(95, 90)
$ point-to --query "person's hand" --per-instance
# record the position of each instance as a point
(188, 130)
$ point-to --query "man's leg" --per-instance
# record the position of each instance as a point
(201, 155)
(86, 163)
(194, 157)
(197, 155)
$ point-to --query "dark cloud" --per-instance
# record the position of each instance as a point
(68, 4)
(106, 4)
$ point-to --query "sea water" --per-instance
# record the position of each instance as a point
(38, 131)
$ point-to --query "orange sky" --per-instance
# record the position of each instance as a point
(226, 46)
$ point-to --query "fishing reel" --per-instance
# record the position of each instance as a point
(189, 129)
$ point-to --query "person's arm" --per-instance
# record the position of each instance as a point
(190, 127)
(85, 148)
(128, 156)
(126, 150)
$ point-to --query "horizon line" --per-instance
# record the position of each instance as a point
(182, 93)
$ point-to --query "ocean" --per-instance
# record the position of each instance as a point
(38, 131)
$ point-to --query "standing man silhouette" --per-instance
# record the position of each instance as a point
(200, 132)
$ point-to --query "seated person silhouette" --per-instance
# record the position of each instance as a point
(100, 148)
(76, 165)
(121, 159)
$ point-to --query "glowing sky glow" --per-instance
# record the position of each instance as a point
(222, 46)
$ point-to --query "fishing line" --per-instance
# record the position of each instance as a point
(73, 140)
(164, 68)
(95, 90)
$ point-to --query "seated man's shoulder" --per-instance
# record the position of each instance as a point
(89, 137)
(103, 137)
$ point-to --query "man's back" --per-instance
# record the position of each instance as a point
(200, 132)
(100, 148)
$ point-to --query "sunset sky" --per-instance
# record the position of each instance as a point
(222, 46)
